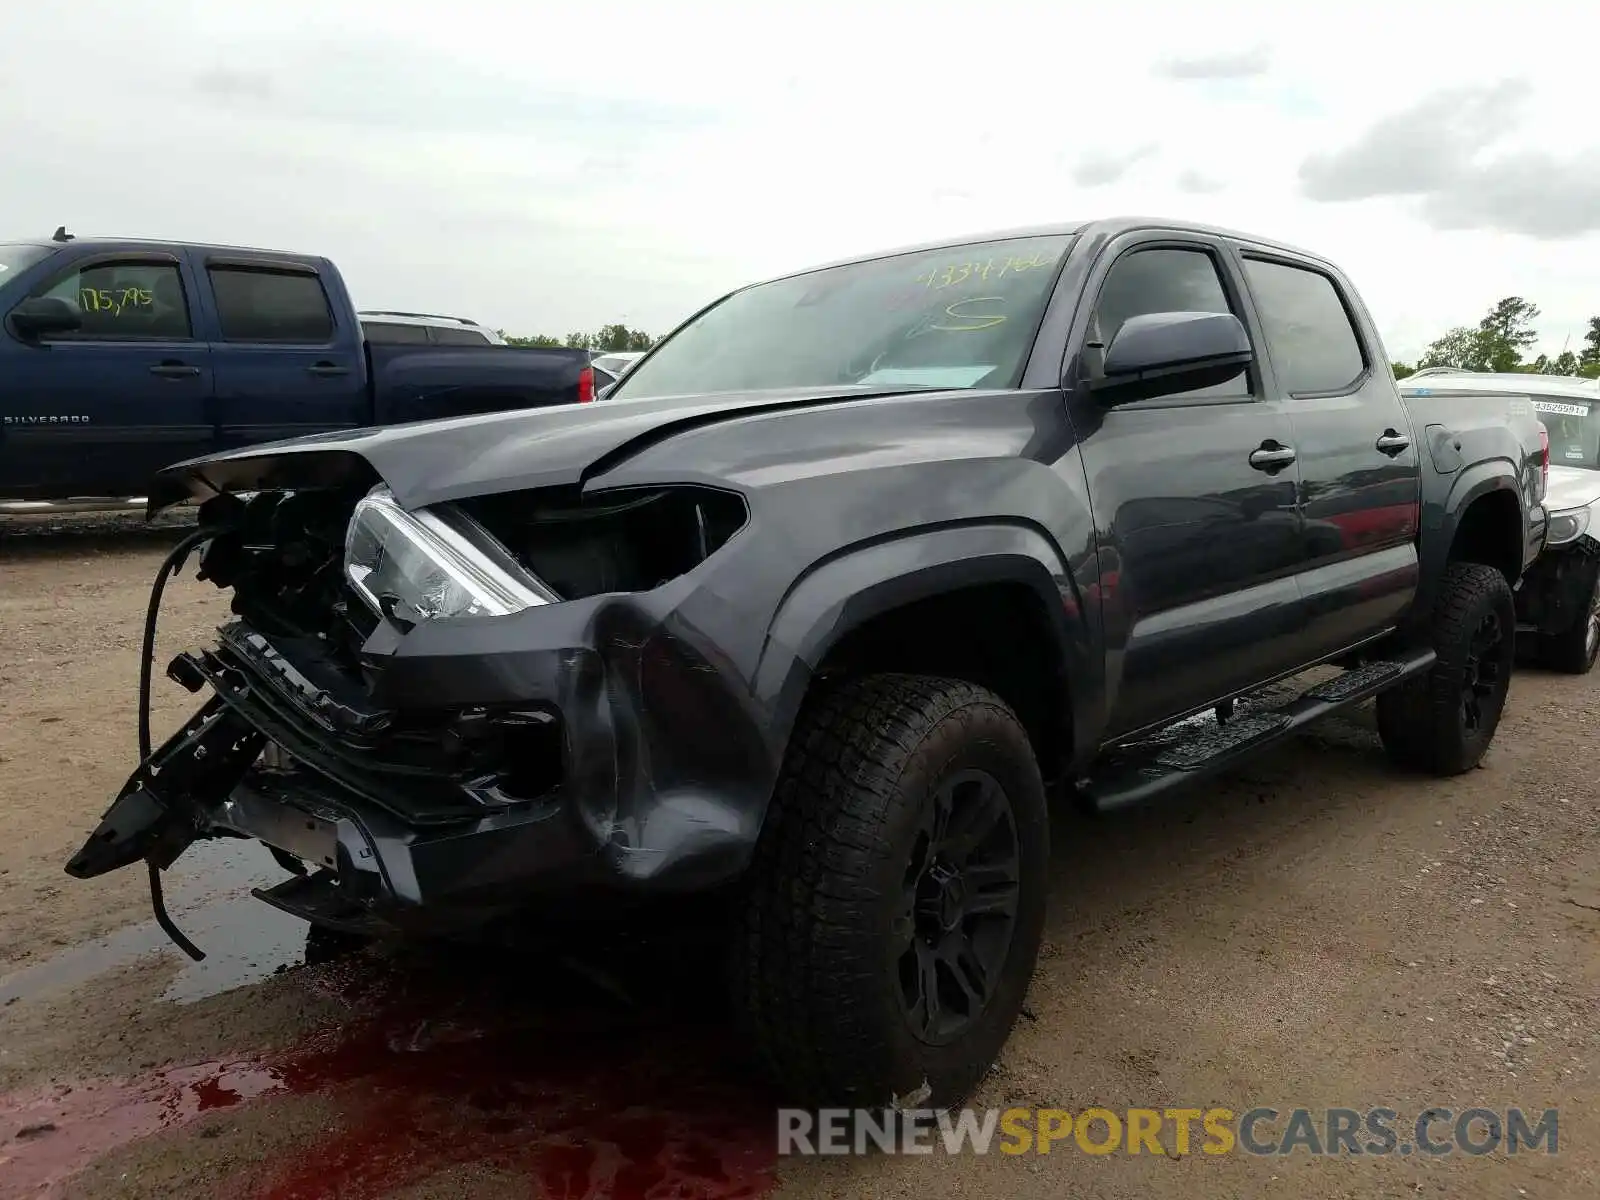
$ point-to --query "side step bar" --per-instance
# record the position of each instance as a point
(1188, 752)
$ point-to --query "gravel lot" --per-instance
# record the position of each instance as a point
(1313, 931)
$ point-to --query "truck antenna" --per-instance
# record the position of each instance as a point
(61, 234)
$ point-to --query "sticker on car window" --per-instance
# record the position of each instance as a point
(941, 377)
(1560, 408)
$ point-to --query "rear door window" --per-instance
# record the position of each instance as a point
(1312, 340)
(263, 305)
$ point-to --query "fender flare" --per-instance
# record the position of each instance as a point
(842, 592)
(1441, 520)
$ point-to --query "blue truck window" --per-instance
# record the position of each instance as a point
(257, 305)
(123, 300)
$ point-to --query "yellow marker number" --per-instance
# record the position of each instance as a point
(115, 302)
(990, 268)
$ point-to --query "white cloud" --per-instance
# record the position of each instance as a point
(548, 168)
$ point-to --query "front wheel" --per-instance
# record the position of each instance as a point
(1575, 651)
(1443, 722)
(897, 897)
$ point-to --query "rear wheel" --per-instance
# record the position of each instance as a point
(897, 897)
(1575, 650)
(1444, 721)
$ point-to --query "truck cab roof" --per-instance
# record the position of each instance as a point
(1105, 228)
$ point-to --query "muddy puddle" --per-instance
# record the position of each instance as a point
(608, 1072)
(208, 894)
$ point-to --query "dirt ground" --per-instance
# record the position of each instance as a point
(1313, 931)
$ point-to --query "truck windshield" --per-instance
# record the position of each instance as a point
(1574, 427)
(956, 317)
(18, 256)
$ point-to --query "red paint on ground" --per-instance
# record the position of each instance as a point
(454, 1069)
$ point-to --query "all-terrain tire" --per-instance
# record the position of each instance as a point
(1442, 722)
(819, 961)
(1574, 652)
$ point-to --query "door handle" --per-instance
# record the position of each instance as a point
(327, 368)
(1391, 443)
(174, 370)
(1271, 456)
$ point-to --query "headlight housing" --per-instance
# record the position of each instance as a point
(411, 567)
(1565, 526)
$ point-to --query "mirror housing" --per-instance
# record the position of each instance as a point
(39, 316)
(1161, 354)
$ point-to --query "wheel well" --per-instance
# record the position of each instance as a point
(997, 636)
(1490, 532)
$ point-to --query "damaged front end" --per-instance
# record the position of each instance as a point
(433, 717)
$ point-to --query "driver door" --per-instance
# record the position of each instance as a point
(101, 410)
(1207, 541)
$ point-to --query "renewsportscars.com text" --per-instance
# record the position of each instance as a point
(1259, 1131)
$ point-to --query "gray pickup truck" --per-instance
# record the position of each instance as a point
(809, 615)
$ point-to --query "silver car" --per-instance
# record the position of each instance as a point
(384, 328)
(1558, 600)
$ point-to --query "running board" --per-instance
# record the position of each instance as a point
(1199, 747)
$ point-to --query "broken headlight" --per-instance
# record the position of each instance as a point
(1566, 526)
(416, 566)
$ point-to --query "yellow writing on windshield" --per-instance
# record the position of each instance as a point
(960, 318)
(985, 269)
(115, 302)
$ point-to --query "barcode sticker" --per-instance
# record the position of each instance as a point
(1560, 409)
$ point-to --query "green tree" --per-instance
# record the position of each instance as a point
(608, 339)
(1565, 363)
(1589, 356)
(1462, 348)
(1506, 332)
(1401, 370)
(616, 338)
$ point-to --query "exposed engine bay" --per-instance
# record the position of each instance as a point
(284, 554)
(366, 800)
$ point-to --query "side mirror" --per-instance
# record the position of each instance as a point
(1161, 354)
(40, 316)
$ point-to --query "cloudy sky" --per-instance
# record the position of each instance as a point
(548, 168)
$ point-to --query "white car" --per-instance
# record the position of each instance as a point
(1558, 600)
(384, 328)
(616, 363)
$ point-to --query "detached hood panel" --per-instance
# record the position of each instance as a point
(432, 461)
(1571, 487)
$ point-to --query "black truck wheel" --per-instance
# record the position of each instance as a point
(897, 895)
(1575, 650)
(1443, 722)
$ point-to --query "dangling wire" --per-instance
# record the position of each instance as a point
(172, 563)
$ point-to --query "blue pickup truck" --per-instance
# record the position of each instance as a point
(119, 357)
